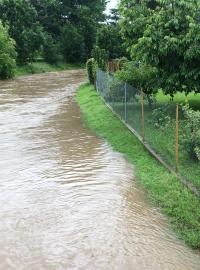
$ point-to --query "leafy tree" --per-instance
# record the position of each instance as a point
(134, 19)
(21, 17)
(7, 54)
(109, 38)
(72, 44)
(85, 15)
(51, 50)
(141, 77)
(49, 15)
(168, 40)
(170, 43)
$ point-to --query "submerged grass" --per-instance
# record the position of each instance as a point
(176, 201)
(41, 67)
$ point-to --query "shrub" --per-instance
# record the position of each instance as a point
(101, 57)
(161, 118)
(191, 136)
(91, 66)
(7, 54)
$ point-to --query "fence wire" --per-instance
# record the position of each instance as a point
(158, 126)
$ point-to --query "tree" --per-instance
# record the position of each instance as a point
(109, 38)
(72, 44)
(134, 19)
(7, 54)
(169, 41)
(51, 50)
(49, 15)
(85, 15)
(21, 17)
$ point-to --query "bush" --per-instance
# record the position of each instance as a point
(161, 118)
(7, 54)
(91, 66)
(101, 57)
(191, 137)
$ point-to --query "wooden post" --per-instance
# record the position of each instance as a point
(177, 138)
(125, 104)
(142, 114)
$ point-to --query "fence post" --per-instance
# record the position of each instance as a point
(125, 104)
(177, 138)
(142, 120)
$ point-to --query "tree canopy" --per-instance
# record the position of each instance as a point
(165, 34)
(36, 24)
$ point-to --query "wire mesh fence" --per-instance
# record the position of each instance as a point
(161, 125)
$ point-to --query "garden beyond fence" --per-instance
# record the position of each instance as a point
(161, 125)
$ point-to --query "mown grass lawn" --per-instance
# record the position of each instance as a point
(164, 189)
(192, 98)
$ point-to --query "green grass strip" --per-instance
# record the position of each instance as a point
(42, 67)
(176, 201)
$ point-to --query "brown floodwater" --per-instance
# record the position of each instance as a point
(67, 200)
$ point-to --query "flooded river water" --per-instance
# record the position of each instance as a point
(67, 200)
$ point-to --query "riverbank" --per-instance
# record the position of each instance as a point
(177, 202)
(41, 67)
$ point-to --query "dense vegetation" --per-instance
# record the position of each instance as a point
(7, 54)
(51, 29)
(175, 200)
(161, 38)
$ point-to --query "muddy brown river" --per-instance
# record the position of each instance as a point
(67, 200)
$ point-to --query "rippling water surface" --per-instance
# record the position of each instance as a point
(67, 201)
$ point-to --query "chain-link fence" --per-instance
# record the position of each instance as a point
(159, 124)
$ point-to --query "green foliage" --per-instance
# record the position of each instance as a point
(84, 15)
(7, 54)
(134, 20)
(42, 67)
(72, 44)
(161, 118)
(51, 50)
(109, 38)
(21, 17)
(49, 15)
(101, 57)
(52, 28)
(165, 34)
(191, 136)
(91, 66)
(139, 75)
(122, 61)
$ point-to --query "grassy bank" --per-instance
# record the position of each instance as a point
(164, 189)
(160, 137)
(41, 67)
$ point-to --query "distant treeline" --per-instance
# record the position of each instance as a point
(50, 29)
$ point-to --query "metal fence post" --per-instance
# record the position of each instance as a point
(142, 114)
(177, 138)
(125, 104)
